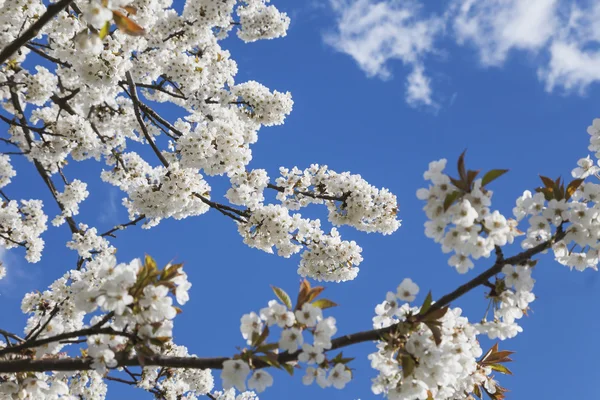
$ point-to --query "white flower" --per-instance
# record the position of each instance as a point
(250, 324)
(463, 213)
(407, 290)
(291, 339)
(461, 262)
(339, 376)
(277, 314)
(324, 330)
(311, 354)
(497, 227)
(115, 301)
(260, 380)
(309, 315)
(585, 169)
(102, 357)
(316, 373)
(96, 14)
(234, 374)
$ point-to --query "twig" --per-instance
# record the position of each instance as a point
(77, 364)
(34, 29)
(119, 227)
(138, 116)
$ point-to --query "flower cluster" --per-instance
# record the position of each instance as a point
(327, 257)
(574, 218)
(512, 302)
(435, 358)
(307, 316)
(94, 100)
(349, 198)
(179, 382)
(247, 188)
(460, 218)
(22, 225)
(74, 193)
(260, 21)
(136, 298)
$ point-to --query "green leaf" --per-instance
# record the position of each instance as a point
(462, 171)
(257, 340)
(572, 187)
(435, 329)
(492, 176)
(313, 293)
(408, 365)
(488, 353)
(471, 175)
(477, 391)
(450, 199)
(268, 347)
(499, 357)
(501, 368)
(283, 296)
(324, 303)
(288, 368)
(302, 294)
(104, 31)
(150, 263)
(435, 315)
(549, 183)
(426, 304)
(269, 359)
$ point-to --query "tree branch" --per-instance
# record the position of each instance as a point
(33, 30)
(77, 364)
(342, 198)
(138, 116)
(119, 227)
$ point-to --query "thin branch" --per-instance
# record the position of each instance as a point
(39, 167)
(35, 333)
(47, 56)
(342, 198)
(119, 227)
(225, 210)
(160, 119)
(33, 30)
(114, 378)
(77, 364)
(158, 88)
(63, 336)
(138, 116)
(11, 335)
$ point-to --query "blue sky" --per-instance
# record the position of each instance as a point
(490, 95)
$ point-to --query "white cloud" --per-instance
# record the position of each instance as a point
(110, 209)
(495, 27)
(418, 90)
(374, 33)
(562, 36)
(571, 67)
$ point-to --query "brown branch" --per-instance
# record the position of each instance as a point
(224, 209)
(158, 88)
(138, 115)
(11, 335)
(38, 166)
(160, 119)
(63, 336)
(313, 195)
(119, 227)
(76, 364)
(33, 30)
(47, 56)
